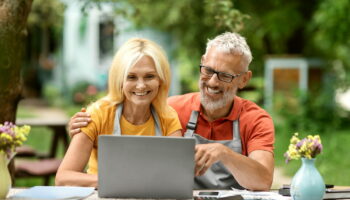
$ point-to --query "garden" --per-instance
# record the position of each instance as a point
(297, 29)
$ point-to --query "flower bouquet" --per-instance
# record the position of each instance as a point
(12, 136)
(307, 183)
(308, 147)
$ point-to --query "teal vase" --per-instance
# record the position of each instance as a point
(307, 183)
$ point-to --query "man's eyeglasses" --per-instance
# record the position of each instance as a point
(222, 76)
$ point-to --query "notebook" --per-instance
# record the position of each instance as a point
(54, 192)
(145, 167)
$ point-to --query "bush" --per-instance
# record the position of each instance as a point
(84, 93)
(316, 113)
(53, 95)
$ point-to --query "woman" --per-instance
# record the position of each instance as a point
(138, 85)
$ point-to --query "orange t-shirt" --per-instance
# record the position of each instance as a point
(256, 125)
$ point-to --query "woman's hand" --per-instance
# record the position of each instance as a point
(79, 120)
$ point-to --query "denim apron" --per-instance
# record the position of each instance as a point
(118, 114)
(217, 176)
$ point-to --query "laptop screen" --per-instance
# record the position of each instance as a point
(145, 167)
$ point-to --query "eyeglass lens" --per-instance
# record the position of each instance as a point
(221, 76)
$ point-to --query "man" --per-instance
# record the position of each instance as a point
(234, 136)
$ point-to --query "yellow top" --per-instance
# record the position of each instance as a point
(102, 115)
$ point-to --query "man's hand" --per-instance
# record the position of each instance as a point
(206, 155)
(79, 120)
(258, 166)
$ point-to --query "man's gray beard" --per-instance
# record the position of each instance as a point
(211, 105)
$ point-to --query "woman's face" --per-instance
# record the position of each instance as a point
(142, 83)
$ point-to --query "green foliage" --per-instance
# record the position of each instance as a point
(53, 95)
(84, 93)
(254, 90)
(273, 23)
(225, 15)
(46, 14)
(25, 113)
(309, 28)
(189, 22)
(316, 113)
(330, 27)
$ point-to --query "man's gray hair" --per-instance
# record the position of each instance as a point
(231, 43)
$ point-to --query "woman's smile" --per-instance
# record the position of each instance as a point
(141, 93)
(142, 83)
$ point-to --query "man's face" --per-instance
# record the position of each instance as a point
(217, 94)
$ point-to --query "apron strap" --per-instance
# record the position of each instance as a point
(235, 126)
(217, 176)
(157, 122)
(118, 114)
(236, 137)
(192, 123)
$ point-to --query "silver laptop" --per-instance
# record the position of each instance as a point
(145, 167)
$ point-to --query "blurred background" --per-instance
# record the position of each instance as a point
(300, 68)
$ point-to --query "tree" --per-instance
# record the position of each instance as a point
(309, 28)
(331, 27)
(189, 22)
(43, 39)
(13, 20)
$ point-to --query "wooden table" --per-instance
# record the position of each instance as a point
(58, 126)
(94, 196)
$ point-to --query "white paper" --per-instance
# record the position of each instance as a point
(247, 195)
(54, 192)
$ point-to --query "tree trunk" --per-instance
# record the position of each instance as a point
(13, 20)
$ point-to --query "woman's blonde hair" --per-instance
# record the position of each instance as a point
(126, 57)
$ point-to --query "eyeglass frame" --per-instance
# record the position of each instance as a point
(233, 76)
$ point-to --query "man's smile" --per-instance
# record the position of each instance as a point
(213, 91)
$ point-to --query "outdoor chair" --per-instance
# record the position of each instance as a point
(30, 163)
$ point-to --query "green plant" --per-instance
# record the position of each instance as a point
(315, 112)
(254, 90)
(53, 95)
(84, 93)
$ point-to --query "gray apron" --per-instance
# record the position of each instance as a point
(118, 114)
(217, 176)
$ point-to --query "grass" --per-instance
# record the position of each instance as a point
(25, 112)
(72, 109)
(40, 139)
